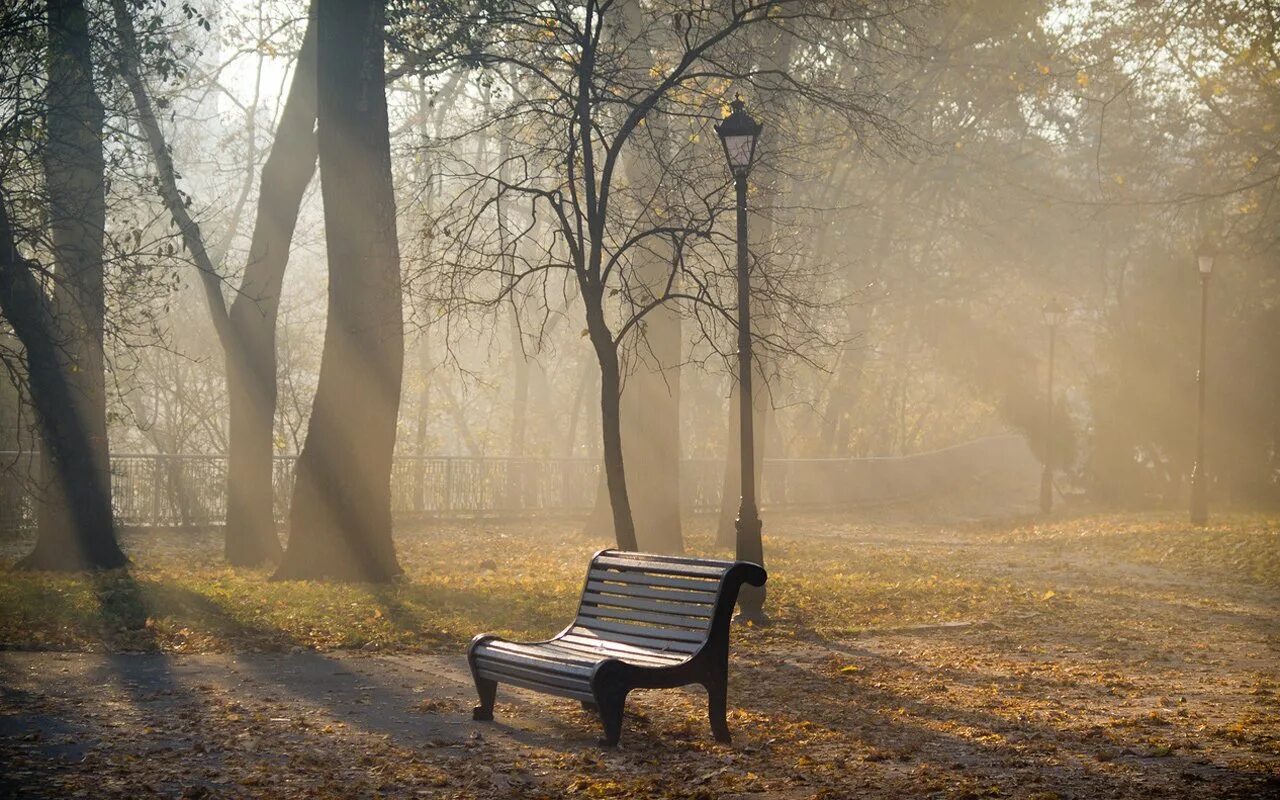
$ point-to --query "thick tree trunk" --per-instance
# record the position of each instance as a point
(575, 411)
(65, 348)
(651, 431)
(836, 416)
(73, 491)
(251, 359)
(340, 517)
(651, 393)
(650, 404)
(246, 332)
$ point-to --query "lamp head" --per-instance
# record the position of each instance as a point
(1054, 313)
(739, 133)
(1205, 256)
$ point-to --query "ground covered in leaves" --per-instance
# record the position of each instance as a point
(1095, 656)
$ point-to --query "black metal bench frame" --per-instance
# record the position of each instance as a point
(644, 621)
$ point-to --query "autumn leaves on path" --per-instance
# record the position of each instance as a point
(1097, 657)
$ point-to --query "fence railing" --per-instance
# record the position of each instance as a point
(190, 490)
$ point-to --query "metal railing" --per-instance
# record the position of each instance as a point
(190, 490)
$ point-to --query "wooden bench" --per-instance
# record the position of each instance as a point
(644, 622)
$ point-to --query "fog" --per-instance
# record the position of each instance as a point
(928, 180)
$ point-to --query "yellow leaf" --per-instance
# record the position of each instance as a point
(1049, 595)
(1082, 79)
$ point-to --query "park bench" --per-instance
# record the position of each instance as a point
(644, 622)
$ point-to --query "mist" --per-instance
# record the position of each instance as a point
(429, 301)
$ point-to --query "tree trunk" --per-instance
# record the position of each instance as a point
(651, 431)
(340, 516)
(424, 421)
(251, 359)
(520, 391)
(611, 421)
(836, 416)
(575, 411)
(650, 403)
(65, 348)
(246, 332)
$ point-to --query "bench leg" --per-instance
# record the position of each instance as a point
(610, 705)
(488, 691)
(717, 700)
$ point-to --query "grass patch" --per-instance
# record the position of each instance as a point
(829, 578)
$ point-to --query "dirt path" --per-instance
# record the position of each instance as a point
(1034, 709)
(1100, 672)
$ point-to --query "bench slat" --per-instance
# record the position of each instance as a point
(598, 597)
(718, 563)
(539, 655)
(645, 579)
(661, 566)
(704, 600)
(664, 621)
(587, 636)
(504, 667)
(562, 691)
(658, 635)
(623, 652)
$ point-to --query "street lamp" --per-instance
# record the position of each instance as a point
(1199, 487)
(1054, 314)
(739, 133)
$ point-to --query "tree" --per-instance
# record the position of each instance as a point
(607, 90)
(251, 356)
(340, 516)
(63, 336)
(245, 331)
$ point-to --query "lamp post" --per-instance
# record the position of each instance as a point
(1199, 487)
(739, 133)
(1054, 313)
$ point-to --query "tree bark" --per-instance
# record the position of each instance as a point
(650, 403)
(75, 529)
(340, 516)
(624, 530)
(246, 332)
(251, 360)
(651, 427)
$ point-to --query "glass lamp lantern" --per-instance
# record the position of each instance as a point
(739, 133)
(1205, 258)
(1054, 313)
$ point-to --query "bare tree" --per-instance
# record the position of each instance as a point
(613, 150)
(246, 330)
(251, 356)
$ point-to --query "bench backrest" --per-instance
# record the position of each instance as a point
(666, 603)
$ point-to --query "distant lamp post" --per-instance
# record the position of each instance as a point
(739, 133)
(1054, 315)
(1199, 485)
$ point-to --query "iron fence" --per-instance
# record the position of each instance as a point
(190, 490)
